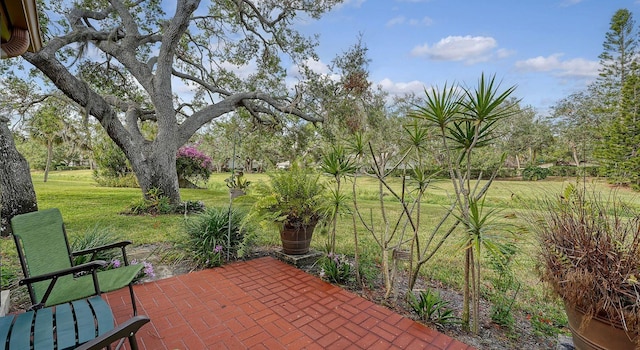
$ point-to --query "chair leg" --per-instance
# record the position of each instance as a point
(133, 300)
(133, 343)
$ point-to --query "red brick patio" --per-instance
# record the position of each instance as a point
(267, 304)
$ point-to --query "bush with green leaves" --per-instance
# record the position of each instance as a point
(113, 169)
(96, 236)
(157, 204)
(100, 236)
(8, 276)
(535, 173)
(216, 235)
(336, 268)
(505, 285)
(430, 307)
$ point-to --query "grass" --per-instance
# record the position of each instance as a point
(85, 205)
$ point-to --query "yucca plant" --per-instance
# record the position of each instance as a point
(338, 164)
(466, 119)
(430, 307)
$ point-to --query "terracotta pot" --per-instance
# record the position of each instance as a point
(296, 239)
(599, 333)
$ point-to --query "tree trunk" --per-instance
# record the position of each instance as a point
(466, 295)
(16, 188)
(155, 168)
(49, 157)
(574, 154)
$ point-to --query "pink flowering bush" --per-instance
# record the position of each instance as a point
(192, 164)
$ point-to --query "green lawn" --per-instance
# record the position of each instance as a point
(84, 205)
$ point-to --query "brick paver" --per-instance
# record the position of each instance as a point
(266, 304)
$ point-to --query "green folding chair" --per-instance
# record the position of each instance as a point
(47, 263)
(82, 324)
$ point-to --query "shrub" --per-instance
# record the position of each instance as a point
(95, 237)
(335, 268)
(292, 197)
(590, 254)
(113, 166)
(505, 285)
(573, 171)
(208, 243)
(534, 173)
(193, 165)
(156, 204)
(8, 276)
(430, 307)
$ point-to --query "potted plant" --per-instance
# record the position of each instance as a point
(294, 200)
(590, 256)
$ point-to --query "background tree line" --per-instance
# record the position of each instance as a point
(80, 109)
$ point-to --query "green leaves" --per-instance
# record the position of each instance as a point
(294, 196)
(430, 307)
(484, 104)
(441, 107)
(337, 163)
(467, 116)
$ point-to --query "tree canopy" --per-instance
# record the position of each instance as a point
(129, 63)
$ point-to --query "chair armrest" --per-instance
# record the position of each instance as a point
(90, 266)
(126, 329)
(100, 248)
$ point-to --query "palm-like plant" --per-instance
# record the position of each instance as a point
(466, 119)
(338, 164)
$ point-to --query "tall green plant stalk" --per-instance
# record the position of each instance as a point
(384, 235)
(465, 119)
(481, 109)
(357, 149)
(337, 164)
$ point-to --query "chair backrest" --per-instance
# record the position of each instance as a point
(41, 242)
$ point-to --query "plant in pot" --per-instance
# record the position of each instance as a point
(294, 200)
(590, 256)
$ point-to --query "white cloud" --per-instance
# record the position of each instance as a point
(470, 49)
(318, 66)
(400, 88)
(577, 67)
(504, 53)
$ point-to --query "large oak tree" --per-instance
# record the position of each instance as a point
(128, 63)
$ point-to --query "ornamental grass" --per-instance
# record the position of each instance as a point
(590, 255)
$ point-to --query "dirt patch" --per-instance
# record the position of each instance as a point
(490, 336)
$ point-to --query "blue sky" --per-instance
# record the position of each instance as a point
(548, 48)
